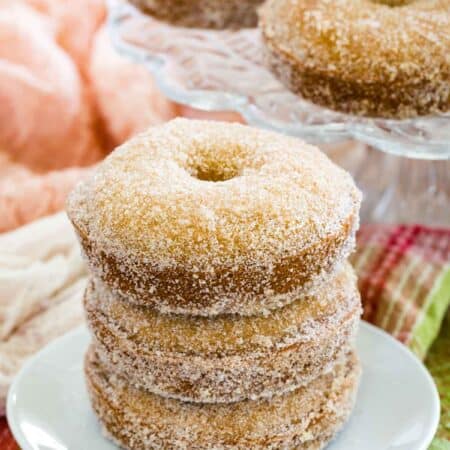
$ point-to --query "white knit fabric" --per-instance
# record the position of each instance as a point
(42, 280)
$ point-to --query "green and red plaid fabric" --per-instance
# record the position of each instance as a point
(404, 279)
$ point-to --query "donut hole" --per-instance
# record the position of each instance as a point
(215, 174)
(212, 164)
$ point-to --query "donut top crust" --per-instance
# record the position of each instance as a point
(205, 194)
(368, 40)
(306, 320)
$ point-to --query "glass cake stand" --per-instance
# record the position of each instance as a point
(409, 181)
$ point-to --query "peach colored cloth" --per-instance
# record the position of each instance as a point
(75, 23)
(49, 124)
(26, 196)
(127, 97)
(46, 119)
(126, 94)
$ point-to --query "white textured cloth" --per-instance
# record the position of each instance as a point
(42, 280)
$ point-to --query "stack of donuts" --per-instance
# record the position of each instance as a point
(222, 309)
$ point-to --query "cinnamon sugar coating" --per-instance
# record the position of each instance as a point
(203, 13)
(205, 218)
(383, 58)
(225, 358)
(306, 418)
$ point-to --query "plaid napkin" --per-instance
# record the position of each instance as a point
(404, 279)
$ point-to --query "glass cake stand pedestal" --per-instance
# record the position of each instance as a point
(403, 167)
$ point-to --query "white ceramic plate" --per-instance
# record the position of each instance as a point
(397, 405)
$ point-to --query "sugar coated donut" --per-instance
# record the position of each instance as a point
(203, 217)
(382, 58)
(306, 418)
(226, 358)
(203, 13)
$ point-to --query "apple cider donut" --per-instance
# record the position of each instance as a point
(204, 218)
(307, 418)
(225, 358)
(217, 14)
(380, 58)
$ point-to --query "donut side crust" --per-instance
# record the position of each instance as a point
(227, 379)
(225, 335)
(397, 100)
(308, 417)
(233, 290)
